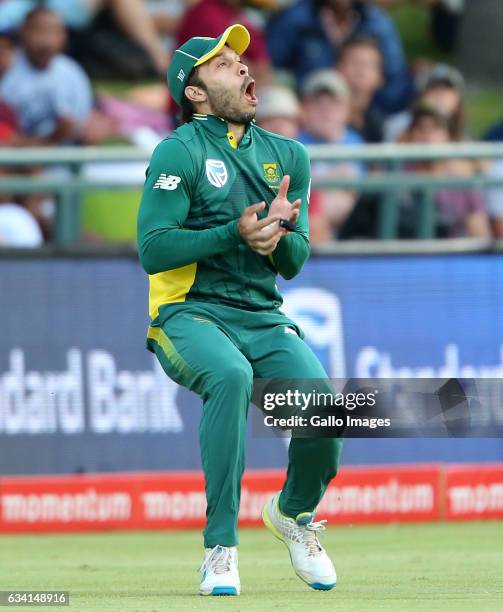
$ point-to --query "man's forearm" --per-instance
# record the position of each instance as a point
(167, 249)
(291, 254)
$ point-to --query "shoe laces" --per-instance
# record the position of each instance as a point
(218, 560)
(309, 535)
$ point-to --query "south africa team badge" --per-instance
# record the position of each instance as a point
(271, 173)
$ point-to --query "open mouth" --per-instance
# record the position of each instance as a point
(250, 92)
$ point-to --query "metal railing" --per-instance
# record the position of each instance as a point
(389, 179)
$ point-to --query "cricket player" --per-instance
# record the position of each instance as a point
(210, 239)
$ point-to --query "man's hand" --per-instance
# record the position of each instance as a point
(261, 235)
(282, 207)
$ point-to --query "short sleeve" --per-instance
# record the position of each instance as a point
(73, 96)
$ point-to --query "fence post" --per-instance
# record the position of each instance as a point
(68, 211)
(67, 220)
(387, 221)
(427, 215)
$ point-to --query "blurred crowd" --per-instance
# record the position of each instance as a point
(328, 71)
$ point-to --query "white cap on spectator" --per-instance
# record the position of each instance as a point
(18, 227)
(440, 73)
(326, 80)
(277, 101)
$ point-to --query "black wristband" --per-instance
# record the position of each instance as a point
(288, 225)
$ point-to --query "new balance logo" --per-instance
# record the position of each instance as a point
(168, 182)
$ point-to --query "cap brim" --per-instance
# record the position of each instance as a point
(235, 36)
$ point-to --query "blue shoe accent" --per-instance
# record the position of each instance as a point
(304, 518)
(224, 591)
(319, 586)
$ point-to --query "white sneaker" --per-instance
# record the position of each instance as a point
(219, 571)
(309, 559)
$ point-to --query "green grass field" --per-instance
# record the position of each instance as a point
(406, 568)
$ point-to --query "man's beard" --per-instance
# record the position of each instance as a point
(226, 104)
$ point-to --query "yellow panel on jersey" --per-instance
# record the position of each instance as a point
(231, 137)
(170, 286)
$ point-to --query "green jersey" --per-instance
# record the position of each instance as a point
(198, 184)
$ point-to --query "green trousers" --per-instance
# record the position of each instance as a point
(216, 351)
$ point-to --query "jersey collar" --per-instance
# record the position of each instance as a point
(218, 126)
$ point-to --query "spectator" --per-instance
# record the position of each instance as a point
(360, 64)
(445, 19)
(212, 17)
(326, 110)
(91, 24)
(50, 94)
(495, 133)
(167, 16)
(460, 212)
(6, 52)
(8, 125)
(51, 98)
(325, 116)
(443, 88)
(18, 227)
(278, 111)
(309, 36)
